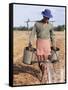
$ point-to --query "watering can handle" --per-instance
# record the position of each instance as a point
(30, 45)
(56, 54)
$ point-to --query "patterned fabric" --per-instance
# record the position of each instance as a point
(43, 47)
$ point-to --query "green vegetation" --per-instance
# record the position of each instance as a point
(23, 28)
(59, 28)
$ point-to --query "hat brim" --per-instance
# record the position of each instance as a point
(45, 15)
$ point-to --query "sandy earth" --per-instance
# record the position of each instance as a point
(30, 74)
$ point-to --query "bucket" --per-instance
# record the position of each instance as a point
(28, 55)
(54, 54)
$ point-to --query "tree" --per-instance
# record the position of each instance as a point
(59, 28)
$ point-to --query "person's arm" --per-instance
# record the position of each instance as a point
(52, 38)
(32, 35)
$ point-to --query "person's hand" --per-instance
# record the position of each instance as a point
(30, 44)
(54, 48)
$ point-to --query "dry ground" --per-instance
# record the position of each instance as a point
(30, 74)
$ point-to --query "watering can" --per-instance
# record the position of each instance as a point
(54, 54)
(28, 54)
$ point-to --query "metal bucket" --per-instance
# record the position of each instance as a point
(54, 54)
(28, 55)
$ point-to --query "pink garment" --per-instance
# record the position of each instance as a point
(43, 47)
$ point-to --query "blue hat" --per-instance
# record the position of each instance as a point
(47, 13)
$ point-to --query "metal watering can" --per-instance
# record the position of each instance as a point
(28, 54)
(54, 54)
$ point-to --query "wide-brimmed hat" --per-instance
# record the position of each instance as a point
(47, 13)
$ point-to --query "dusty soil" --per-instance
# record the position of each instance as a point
(30, 74)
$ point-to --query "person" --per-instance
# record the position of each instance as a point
(44, 32)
